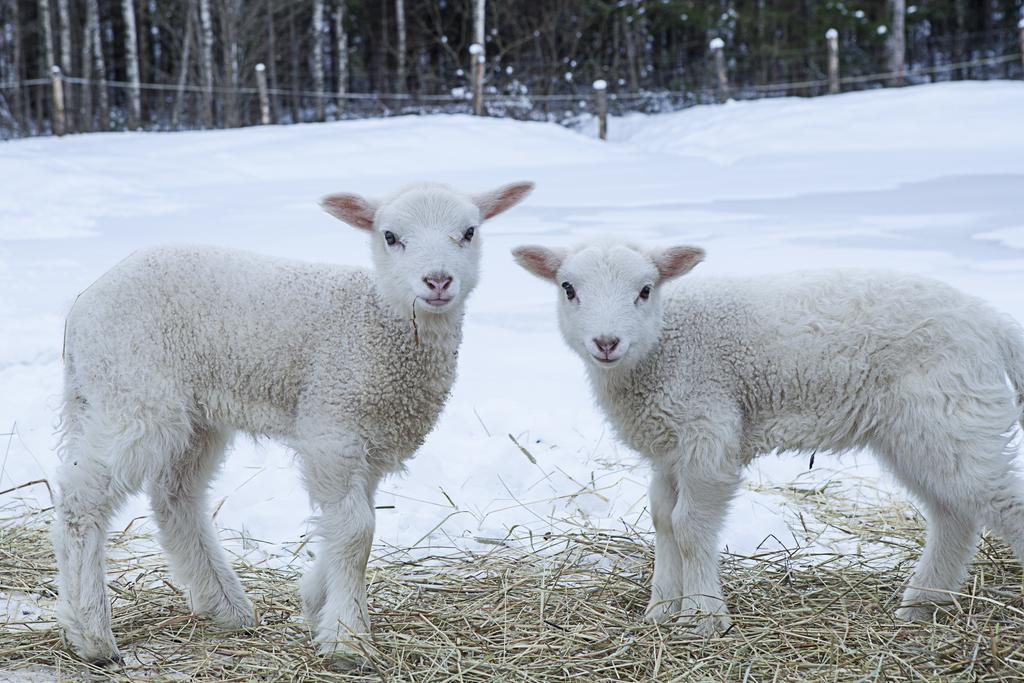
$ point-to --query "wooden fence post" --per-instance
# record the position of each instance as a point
(717, 46)
(476, 58)
(832, 37)
(261, 84)
(601, 100)
(58, 100)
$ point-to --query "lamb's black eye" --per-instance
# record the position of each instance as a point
(468, 235)
(570, 291)
(390, 238)
(645, 293)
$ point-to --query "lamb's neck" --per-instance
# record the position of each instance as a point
(425, 330)
(608, 382)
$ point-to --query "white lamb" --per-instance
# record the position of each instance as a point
(702, 376)
(175, 349)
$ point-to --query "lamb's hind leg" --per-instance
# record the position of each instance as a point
(950, 542)
(179, 496)
(958, 466)
(106, 457)
(88, 498)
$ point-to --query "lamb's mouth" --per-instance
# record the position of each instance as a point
(437, 302)
(605, 361)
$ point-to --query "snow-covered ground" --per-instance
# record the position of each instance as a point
(927, 179)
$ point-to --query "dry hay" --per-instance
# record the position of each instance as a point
(557, 607)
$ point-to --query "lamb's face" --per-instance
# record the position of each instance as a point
(427, 249)
(426, 240)
(609, 300)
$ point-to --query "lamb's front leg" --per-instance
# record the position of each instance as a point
(334, 589)
(705, 485)
(667, 583)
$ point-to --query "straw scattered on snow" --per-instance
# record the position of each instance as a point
(556, 607)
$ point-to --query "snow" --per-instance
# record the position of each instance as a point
(716, 44)
(831, 34)
(926, 179)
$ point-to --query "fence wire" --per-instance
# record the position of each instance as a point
(26, 106)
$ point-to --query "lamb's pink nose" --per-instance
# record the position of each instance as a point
(606, 344)
(438, 282)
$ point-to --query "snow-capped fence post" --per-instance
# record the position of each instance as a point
(476, 56)
(58, 100)
(261, 84)
(832, 38)
(717, 46)
(601, 101)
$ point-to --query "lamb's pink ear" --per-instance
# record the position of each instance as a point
(494, 202)
(351, 208)
(541, 261)
(675, 261)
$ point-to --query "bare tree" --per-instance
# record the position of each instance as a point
(19, 105)
(341, 53)
(318, 56)
(131, 55)
(47, 21)
(400, 79)
(85, 111)
(206, 62)
(897, 42)
(98, 60)
(271, 60)
(66, 64)
(179, 100)
(229, 15)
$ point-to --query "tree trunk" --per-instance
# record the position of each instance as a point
(897, 42)
(400, 78)
(293, 77)
(131, 56)
(318, 56)
(959, 38)
(146, 66)
(85, 120)
(383, 51)
(20, 101)
(631, 54)
(272, 58)
(99, 62)
(229, 11)
(66, 63)
(46, 19)
(186, 57)
(341, 53)
(206, 61)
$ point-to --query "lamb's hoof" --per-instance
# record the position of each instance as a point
(230, 617)
(235, 620)
(922, 612)
(348, 662)
(704, 624)
(100, 651)
(113, 660)
(343, 659)
(660, 611)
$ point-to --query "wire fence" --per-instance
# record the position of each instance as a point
(27, 107)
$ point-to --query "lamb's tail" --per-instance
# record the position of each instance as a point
(1011, 341)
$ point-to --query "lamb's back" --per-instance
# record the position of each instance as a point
(230, 326)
